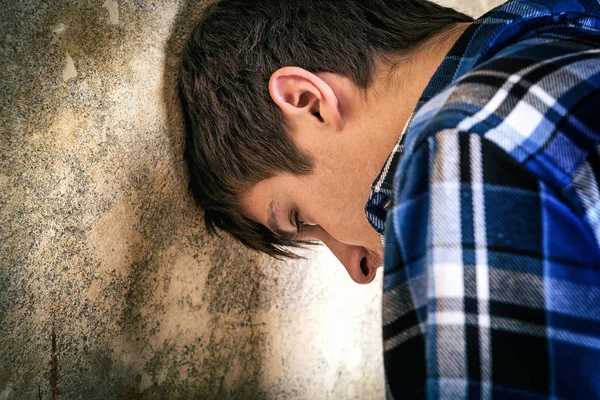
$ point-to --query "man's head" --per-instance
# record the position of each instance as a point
(291, 109)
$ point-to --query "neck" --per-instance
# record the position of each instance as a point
(429, 56)
(397, 90)
(412, 72)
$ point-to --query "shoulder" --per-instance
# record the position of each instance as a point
(525, 121)
(537, 100)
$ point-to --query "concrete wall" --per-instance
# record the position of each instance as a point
(109, 286)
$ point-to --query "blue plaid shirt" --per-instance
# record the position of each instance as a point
(492, 257)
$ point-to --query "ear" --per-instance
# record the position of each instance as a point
(305, 98)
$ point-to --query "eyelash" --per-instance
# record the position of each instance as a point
(298, 222)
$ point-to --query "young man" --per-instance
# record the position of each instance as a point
(478, 141)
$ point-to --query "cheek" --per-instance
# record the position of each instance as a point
(340, 213)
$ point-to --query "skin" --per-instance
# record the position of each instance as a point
(349, 134)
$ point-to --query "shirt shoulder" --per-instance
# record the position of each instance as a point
(536, 103)
(536, 100)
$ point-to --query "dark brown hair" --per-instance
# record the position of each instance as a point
(235, 134)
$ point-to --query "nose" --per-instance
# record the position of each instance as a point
(356, 259)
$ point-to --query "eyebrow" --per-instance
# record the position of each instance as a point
(273, 223)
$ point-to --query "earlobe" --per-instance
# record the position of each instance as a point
(303, 95)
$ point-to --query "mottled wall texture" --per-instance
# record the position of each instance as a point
(110, 287)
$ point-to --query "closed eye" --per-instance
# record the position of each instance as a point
(305, 230)
(298, 222)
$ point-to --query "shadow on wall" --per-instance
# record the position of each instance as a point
(109, 285)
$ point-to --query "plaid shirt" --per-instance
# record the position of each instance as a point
(492, 257)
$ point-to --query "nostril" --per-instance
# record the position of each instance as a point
(363, 266)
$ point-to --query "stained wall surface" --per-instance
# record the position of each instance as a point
(110, 288)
